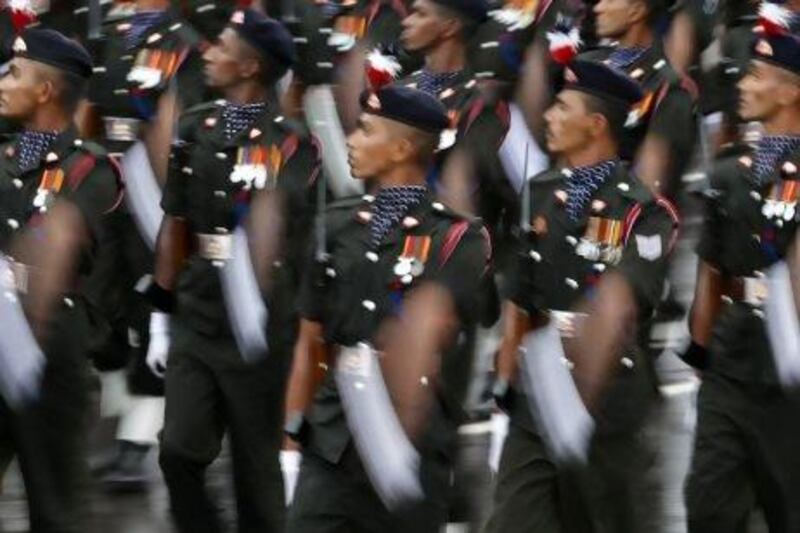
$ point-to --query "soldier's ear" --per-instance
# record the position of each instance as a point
(46, 91)
(788, 95)
(637, 11)
(250, 68)
(403, 150)
(598, 123)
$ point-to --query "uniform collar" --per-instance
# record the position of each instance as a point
(57, 150)
(415, 218)
(255, 131)
(785, 165)
(648, 64)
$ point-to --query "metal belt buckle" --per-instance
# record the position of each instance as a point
(355, 360)
(122, 129)
(214, 247)
(755, 291)
(16, 277)
(567, 322)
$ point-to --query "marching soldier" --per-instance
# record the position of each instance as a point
(383, 256)
(149, 67)
(668, 143)
(592, 261)
(55, 191)
(238, 165)
(746, 440)
(440, 30)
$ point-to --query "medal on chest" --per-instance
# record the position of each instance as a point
(49, 186)
(781, 203)
(411, 262)
(257, 167)
(602, 240)
(152, 67)
(347, 30)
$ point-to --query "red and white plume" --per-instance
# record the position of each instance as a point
(565, 41)
(22, 14)
(774, 18)
(381, 69)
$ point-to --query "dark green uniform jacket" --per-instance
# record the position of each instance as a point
(200, 190)
(625, 230)
(361, 289)
(672, 113)
(739, 240)
(128, 82)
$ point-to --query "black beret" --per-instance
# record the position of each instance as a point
(265, 34)
(602, 81)
(409, 106)
(476, 10)
(54, 49)
(780, 50)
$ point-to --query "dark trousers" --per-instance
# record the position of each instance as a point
(209, 390)
(339, 498)
(746, 454)
(534, 495)
(48, 436)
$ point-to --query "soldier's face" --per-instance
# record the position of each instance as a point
(614, 17)
(569, 123)
(424, 27)
(224, 60)
(21, 89)
(369, 147)
(759, 91)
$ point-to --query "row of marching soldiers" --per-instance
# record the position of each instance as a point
(295, 221)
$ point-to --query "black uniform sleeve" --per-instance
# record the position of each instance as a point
(674, 121)
(311, 296)
(710, 246)
(96, 195)
(522, 274)
(645, 257)
(192, 90)
(462, 271)
(173, 199)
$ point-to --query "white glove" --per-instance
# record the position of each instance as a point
(290, 466)
(158, 349)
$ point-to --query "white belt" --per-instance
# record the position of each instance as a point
(567, 322)
(17, 277)
(214, 247)
(122, 129)
(755, 291)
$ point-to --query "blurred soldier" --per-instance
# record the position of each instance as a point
(55, 191)
(12, 21)
(400, 274)
(149, 66)
(592, 261)
(637, 50)
(237, 165)
(440, 30)
(745, 451)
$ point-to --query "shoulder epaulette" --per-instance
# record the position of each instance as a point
(91, 148)
(187, 33)
(631, 187)
(347, 202)
(200, 109)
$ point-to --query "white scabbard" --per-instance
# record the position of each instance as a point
(21, 359)
(323, 120)
(247, 311)
(142, 193)
(782, 324)
(389, 458)
(565, 424)
(512, 151)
